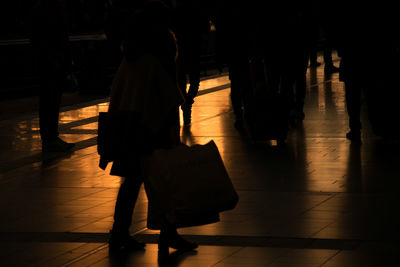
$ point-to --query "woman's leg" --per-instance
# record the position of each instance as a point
(353, 102)
(126, 199)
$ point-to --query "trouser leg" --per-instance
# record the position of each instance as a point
(313, 56)
(49, 108)
(192, 63)
(236, 94)
(301, 83)
(353, 102)
(328, 55)
(182, 74)
(126, 200)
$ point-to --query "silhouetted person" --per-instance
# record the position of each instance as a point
(234, 48)
(49, 38)
(191, 23)
(298, 30)
(364, 47)
(284, 37)
(148, 37)
(324, 16)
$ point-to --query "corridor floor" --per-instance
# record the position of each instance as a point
(319, 201)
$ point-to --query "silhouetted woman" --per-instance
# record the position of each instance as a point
(146, 83)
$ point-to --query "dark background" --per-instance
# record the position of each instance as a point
(94, 59)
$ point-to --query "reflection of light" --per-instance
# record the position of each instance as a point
(212, 26)
(83, 113)
(327, 163)
(210, 83)
(89, 126)
(338, 98)
(327, 157)
(321, 99)
(76, 137)
(209, 114)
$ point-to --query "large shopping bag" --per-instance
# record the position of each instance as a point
(187, 185)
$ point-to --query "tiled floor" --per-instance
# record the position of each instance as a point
(320, 201)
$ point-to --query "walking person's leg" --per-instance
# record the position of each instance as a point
(329, 67)
(301, 85)
(125, 204)
(353, 103)
(49, 109)
(236, 96)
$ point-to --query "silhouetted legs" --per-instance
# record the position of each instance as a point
(49, 39)
(355, 89)
(51, 91)
(313, 59)
(353, 102)
(237, 70)
(293, 84)
(49, 107)
(327, 54)
(126, 199)
(127, 195)
(241, 92)
(189, 67)
(329, 67)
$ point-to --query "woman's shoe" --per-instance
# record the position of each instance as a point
(179, 243)
(56, 145)
(174, 241)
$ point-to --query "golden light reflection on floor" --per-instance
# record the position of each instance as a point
(319, 190)
(211, 83)
(89, 126)
(83, 113)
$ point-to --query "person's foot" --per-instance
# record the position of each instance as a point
(125, 242)
(329, 69)
(175, 241)
(179, 243)
(354, 136)
(56, 145)
(315, 64)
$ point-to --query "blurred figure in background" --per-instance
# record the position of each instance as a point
(190, 24)
(366, 47)
(323, 16)
(235, 43)
(297, 48)
(49, 38)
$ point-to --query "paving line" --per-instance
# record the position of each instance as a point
(84, 256)
(92, 252)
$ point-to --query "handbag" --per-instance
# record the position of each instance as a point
(120, 135)
(188, 185)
